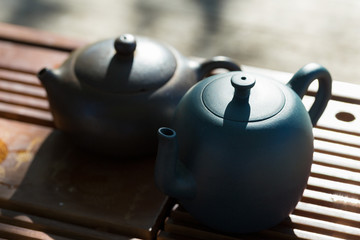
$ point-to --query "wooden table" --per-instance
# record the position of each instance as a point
(51, 190)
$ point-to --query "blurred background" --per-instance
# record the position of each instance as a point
(281, 35)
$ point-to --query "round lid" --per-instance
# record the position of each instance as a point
(125, 65)
(242, 98)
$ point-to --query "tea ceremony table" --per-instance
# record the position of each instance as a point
(49, 189)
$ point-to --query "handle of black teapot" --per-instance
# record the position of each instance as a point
(218, 62)
(301, 81)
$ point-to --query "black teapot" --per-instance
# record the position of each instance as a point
(240, 149)
(112, 95)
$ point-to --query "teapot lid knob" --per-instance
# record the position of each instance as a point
(242, 83)
(125, 44)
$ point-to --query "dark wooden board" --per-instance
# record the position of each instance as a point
(45, 175)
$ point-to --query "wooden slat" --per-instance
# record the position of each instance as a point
(10, 233)
(25, 114)
(34, 37)
(24, 101)
(13, 232)
(301, 234)
(23, 98)
(44, 227)
(332, 200)
(19, 77)
(335, 174)
(324, 227)
(336, 161)
(28, 59)
(331, 186)
(337, 149)
(328, 214)
(336, 137)
(24, 90)
(182, 224)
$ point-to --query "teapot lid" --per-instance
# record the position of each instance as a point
(238, 96)
(125, 65)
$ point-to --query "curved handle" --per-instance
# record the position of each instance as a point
(217, 62)
(301, 81)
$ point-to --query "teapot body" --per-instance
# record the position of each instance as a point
(112, 102)
(249, 175)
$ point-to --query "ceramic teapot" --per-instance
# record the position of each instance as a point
(112, 95)
(240, 149)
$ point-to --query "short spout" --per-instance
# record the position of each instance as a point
(171, 176)
(47, 77)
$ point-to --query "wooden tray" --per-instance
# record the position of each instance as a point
(51, 190)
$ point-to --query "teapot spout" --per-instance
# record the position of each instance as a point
(171, 176)
(47, 76)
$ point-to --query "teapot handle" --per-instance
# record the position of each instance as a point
(301, 81)
(214, 63)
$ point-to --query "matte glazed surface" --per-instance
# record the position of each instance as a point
(236, 175)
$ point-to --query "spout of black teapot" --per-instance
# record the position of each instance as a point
(57, 81)
(48, 78)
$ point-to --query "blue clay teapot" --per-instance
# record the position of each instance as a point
(111, 96)
(240, 149)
